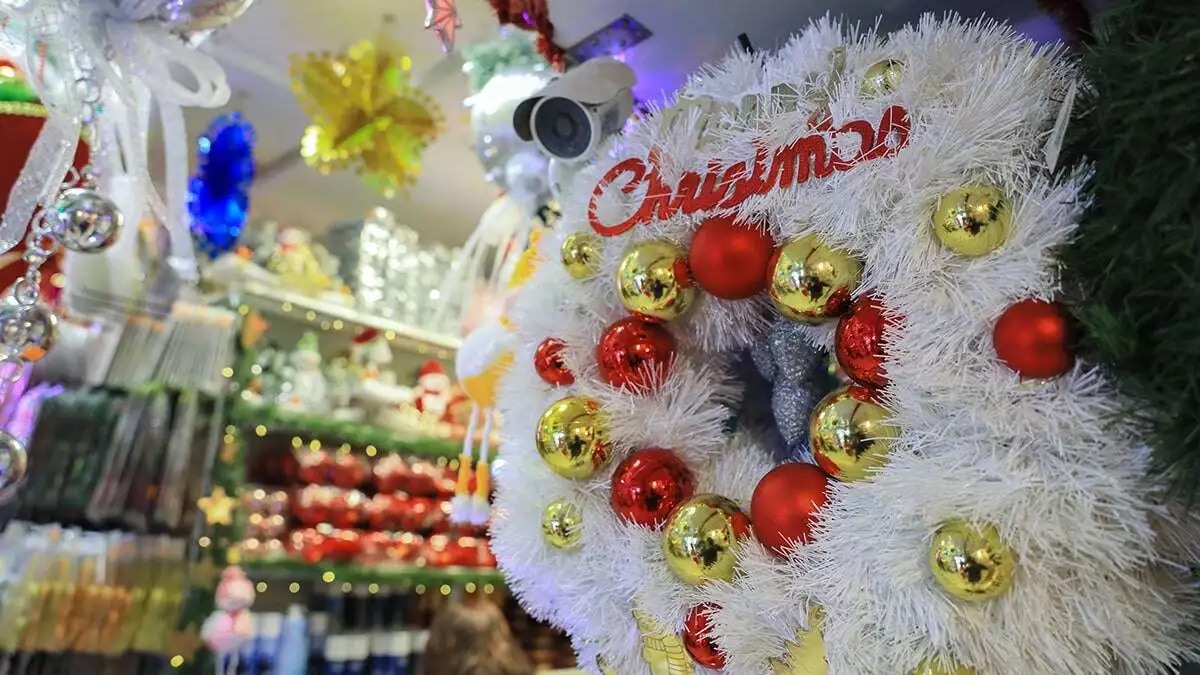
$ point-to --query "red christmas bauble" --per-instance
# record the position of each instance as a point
(859, 342)
(1033, 338)
(548, 362)
(634, 353)
(729, 258)
(698, 639)
(785, 503)
(649, 484)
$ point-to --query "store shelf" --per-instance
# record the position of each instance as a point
(278, 302)
(266, 419)
(296, 570)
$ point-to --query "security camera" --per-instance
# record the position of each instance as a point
(569, 117)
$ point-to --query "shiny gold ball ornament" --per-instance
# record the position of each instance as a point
(812, 282)
(653, 281)
(973, 220)
(701, 536)
(572, 437)
(581, 254)
(933, 667)
(882, 78)
(850, 437)
(969, 563)
(562, 525)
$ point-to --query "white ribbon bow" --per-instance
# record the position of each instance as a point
(139, 65)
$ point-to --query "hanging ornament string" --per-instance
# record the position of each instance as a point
(83, 54)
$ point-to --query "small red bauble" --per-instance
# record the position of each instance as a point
(785, 503)
(634, 353)
(548, 362)
(649, 484)
(729, 259)
(859, 342)
(1033, 338)
(698, 639)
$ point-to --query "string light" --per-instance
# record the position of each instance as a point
(390, 335)
(287, 306)
(229, 438)
(328, 577)
(256, 369)
(204, 542)
(294, 587)
(227, 372)
(260, 430)
(420, 589)
(230, 429)
(177, 661)
(325, 325)
(471, 587)
(297, 442)
(347, 587)
(261, 587)
(337, 324)
(373, 589)
(310, 315)
(445, 589)
(314, 444)
(488, 589)
(243, 309)
(372, 451)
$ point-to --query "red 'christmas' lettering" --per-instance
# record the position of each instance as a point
(727, 187)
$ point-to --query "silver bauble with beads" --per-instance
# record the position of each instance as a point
(12, 465)
(26, 331)
(85, 220)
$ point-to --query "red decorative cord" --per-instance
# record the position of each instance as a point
(532, 15)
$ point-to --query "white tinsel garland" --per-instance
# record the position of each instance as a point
(1102, 585)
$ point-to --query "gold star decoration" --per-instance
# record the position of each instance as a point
(662, 650)
(217, 507)
(806, 652)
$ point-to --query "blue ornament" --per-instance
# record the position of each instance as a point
(219, 193)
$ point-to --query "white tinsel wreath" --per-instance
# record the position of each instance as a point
(1102, 585)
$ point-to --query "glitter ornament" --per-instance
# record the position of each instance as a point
(648, 485)
(811, 282)
(653, 281)
(785, 504)
(729, 258)
(1033, 338)
(219, 193)
(581, 255)
(572, 437)
(698, 639)
(28, 331)
(849, 435)
(85, 221)
(635, 354)
(858, 342)
(972, 220)
(970, 563)
(192, 16)
(701, 537)
(882, 78)
(562, 525)
(548, 362)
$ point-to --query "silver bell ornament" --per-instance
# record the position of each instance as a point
(86, 221)
(26, 331)
(12, 465)
(191, 16)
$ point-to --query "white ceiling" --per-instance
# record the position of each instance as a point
(451, 194)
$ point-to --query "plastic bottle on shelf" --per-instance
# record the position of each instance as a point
(266, 646)
(294, 643)
(318, 631)
(337, 653)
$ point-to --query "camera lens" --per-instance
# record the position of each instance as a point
(563, 127)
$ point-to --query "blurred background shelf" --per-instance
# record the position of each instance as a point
(485, 579)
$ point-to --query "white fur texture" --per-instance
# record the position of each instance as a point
(1101, 585)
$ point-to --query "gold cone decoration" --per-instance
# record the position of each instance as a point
(366, 113)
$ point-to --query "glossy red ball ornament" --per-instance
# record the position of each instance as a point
(548, 362)
(649, 484)
(698, 639)
(634, 353)
(1033, 338)
(785, 504)
(729, 258)
(858, 342)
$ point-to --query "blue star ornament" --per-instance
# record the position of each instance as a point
(219, 193)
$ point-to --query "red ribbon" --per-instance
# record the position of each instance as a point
(532, 15)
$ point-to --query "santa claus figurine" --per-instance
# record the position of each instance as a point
(372, 355)
(229, 628)
(433, 390)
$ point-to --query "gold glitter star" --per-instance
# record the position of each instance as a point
(217, 507)
(806, 653)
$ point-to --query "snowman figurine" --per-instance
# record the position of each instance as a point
(227, 630)
(305, 386)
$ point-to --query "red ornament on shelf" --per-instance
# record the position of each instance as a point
(634, 353)
(698, 639)
(859, 342)
(729, 258)
(649, 484)
(548, 362)
(785, 503)
(1033, 338)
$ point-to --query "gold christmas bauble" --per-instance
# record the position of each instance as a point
(572, 437)
(701, 536)
(972, 220)
(882, 77)
(850, 438)
(812, 282)
(653, 280)
(969, 563)
(581, 254)
(562, 524)
(933, 667)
